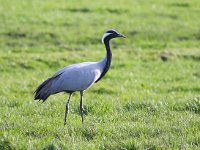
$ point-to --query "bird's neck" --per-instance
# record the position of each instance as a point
(108, 56)
(108, 60)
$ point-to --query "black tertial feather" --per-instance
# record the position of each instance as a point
(43, 91)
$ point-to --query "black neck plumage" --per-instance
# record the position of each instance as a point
(108, 59)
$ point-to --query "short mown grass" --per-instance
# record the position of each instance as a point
(149, 99)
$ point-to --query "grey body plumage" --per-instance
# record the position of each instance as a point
(77, 77)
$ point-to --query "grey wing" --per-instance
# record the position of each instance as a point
(79, 65)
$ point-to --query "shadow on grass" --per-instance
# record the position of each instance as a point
(95, 108)
(50, 64)
(184, 5)
(195, 36)
(149, 107)
(103, 91)
(16, 34)
(119, 145)
(6, 145)
(115, 11)
(89, 133)
(81, 10)
(31, 39)
(50, 147)
(189, 57)
(86, 10)
(184, 89)
(192, 106)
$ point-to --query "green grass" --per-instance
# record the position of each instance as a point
(143, 102)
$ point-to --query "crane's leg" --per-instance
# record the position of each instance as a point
(81, 105)
(67, 109)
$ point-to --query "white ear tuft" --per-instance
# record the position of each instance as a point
(104, 36)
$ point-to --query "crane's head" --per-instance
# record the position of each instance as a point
(110, 34)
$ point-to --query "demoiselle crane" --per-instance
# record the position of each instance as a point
(77, 77)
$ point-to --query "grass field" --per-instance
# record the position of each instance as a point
(143, 102)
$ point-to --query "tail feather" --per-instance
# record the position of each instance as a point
(43, 91)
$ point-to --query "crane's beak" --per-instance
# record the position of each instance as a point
(120, 35)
